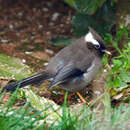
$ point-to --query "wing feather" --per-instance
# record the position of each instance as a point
(64, 74)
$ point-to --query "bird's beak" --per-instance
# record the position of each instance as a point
(107, 52)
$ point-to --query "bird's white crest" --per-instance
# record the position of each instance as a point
(89, 38)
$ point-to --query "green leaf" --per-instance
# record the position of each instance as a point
(120, 33)
(117, 65)
(117, 62)
(101, 21)
(125, 77)
(70, 2)
(108, 38)
(129, 44)
(116, 82)
(123, 84)
(88, 6)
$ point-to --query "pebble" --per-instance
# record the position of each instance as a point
(13, 77)
(78, 100)
(68, 21)
(45, 9)
(49, 51)
(97, 92)
(51, 24)
(20, 14)
(105, 70)
(11, 26)
(48, 33)
(27, 52)
(45, 64)
(33, 33)
(34, 9)
(112, 65)
(23, 61)
(32, 37)
(40, 26)
(55, 16)
(5, 41)
(61, 25)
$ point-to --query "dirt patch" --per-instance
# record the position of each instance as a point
(26, 28)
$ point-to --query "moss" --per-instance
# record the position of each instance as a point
(13, 68)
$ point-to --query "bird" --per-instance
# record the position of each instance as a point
(73, 67)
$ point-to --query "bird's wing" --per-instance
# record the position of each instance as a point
(67, 72)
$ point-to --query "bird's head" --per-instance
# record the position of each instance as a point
(96, 42)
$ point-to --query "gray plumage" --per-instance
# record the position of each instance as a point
(73, 68)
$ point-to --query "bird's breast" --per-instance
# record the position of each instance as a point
(80, 82)
(92, 71)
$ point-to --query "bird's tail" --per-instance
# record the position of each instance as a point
(35, 79)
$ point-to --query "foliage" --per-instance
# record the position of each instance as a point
(14, 119)
(28, 117)
(99, 14)
(88, 6)
(119, 71)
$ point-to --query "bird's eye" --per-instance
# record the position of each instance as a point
(97, 46)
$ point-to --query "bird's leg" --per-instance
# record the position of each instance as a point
(81, 97)
(63, 92)
(69, 96)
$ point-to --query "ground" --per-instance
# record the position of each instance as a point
(26, 30)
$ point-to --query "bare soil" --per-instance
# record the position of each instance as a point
(29, 26)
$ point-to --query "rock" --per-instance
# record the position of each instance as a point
(5, 41)
(49, 51)
(45, 9)
(55, 16)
